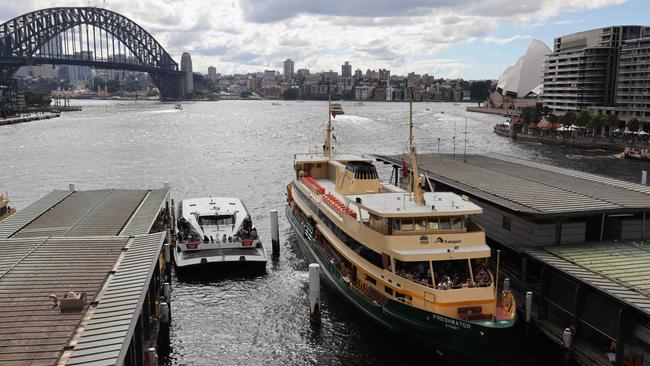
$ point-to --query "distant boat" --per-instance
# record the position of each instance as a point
(358, 104)
(275, 103)
(179, 107)
(335, 109)
(5, 209)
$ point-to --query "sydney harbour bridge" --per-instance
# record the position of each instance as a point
(84, 36)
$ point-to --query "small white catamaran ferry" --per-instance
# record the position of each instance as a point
(217, 232)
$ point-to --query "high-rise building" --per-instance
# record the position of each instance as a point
(384, 74)
(632, 93)
(346, 70)
(186, 67)
(212, 73)
(581, 72)
(288, 70)
(358, 74)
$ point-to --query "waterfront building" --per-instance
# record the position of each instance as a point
(212, 73)
(384, 74)
(582, 69)
(581, 254)
(363, 92)
(186, 67)
(288, 70)
(632, 94)
(346, 70)
(525, 75)
(358, 74)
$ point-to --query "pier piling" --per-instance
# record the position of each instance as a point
(506, 284)
(275, 233)
(644, 177)
(529, 305)
(314, 293)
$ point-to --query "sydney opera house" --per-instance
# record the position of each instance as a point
(520, 85)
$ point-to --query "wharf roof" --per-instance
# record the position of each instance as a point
(617, 269)
(105, 337)
(109, 212)
(531, 188)
(32, 331)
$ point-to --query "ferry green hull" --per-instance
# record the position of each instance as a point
(455, 340)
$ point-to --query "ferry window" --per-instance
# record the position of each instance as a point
(506, 223)
(396, 225)
(481, 272)
(421, 223)
(3, 210)
(415, 271)
(444, 223)
(451, 274)
(386, 262)
(407, 224)
(388, 290)
(456, 222)
(433, 223)
(371, 280)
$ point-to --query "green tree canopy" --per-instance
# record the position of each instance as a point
(633, 124)
(583, 118)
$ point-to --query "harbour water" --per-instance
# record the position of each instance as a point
(245, 149)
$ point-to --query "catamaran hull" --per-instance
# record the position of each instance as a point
(221, 265)
(453, 339)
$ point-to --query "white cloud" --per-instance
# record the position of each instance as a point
(252, 35)
(503, 41)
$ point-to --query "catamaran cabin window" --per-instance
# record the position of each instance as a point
(214, 220)
(421, 223)
(433, 224)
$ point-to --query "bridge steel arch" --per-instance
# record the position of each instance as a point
(23, 37)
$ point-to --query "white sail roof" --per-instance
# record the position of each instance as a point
(527, 73)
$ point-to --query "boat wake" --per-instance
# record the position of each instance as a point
(357, 120)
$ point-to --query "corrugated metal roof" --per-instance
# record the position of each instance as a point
(529, 187)
(60, 218)
(110, 215)
(107, 334)
(23, 217)
(591, 271)
(144, 218)
(32, 332)
(108, 212)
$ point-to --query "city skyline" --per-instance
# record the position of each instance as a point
(468, 39)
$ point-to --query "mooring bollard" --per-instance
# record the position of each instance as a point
(506, 284)
(529, 305)
(167, 292)
(314, 293)
(164, 313)
(275, 233)
(566, 338)
(71, 187)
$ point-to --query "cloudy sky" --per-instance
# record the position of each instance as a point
(448, 38)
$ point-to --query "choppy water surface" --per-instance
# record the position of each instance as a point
(245, 149)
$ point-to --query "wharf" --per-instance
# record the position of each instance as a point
(499, 111)
(107, 245)
(28, 118)
(576, 240)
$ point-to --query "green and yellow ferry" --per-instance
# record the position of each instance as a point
(413, 261)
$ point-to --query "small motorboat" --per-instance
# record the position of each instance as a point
(179, 107)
